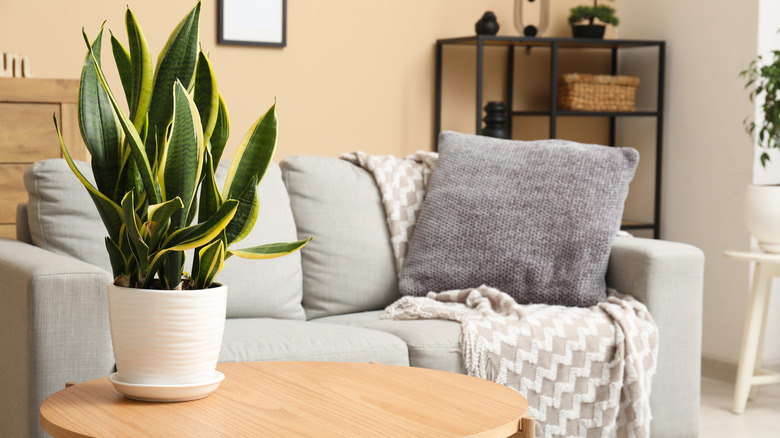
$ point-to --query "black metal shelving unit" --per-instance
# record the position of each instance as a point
(511, 44)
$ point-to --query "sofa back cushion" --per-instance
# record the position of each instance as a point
(349, 264)
(63, 219)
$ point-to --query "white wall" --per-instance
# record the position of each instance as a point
(707, 155)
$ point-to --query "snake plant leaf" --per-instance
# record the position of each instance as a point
(246, 214)
(211, 260)
(99, 126)
(268, 251)
(210, 197)
(119, 264)
(159, 218)
(177, 61)
(110, 212)
(253, 155)
(122, 61)
(202, 233)
(206, 96)
(138, 247)
(142, 71)
(131, 134)
(182, 159)
(219, 136)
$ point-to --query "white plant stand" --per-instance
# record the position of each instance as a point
(749, 372)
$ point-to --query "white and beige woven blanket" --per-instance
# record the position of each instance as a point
(586, 372)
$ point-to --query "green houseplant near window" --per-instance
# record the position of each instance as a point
(579, 14)
(156, 193)
(762, 202)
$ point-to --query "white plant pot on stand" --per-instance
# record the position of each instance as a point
(166, 343)
(762, 215)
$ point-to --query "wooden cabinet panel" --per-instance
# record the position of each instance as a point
(28, 132)
(12, 191)
(8, 231)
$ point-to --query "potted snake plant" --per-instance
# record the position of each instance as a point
(155, 190)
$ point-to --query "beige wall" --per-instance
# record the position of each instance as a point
(355, 74)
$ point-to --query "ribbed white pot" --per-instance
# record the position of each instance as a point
(166, 337)
(762, 215)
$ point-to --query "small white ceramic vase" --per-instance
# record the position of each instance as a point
(166, 338)
(762, 215)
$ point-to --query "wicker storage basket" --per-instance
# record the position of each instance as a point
(583, 92)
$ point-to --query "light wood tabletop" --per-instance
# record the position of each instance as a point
(299, 399)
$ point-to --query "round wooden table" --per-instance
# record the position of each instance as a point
(300, 399)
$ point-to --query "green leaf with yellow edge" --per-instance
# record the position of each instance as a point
(268, 251)
(142, 72)
(182, 159)
(133, 223)
(210, 197)
(109, 211)
(211, 260)
(123, 66)
(100, 128)
(177, 61)
(202, 233)
(206, 96)
(131, 134)
(246, 214)
(253, 155)
(219, 136)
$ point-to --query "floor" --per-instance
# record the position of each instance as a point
(760, 420)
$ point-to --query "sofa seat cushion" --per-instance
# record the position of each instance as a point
(262, 339)
(432, 343)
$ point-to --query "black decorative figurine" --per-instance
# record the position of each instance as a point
(487, 25)
(496, 120)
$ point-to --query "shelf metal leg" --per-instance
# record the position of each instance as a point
(480, 68)
(437, 97)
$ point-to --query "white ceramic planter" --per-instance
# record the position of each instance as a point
(762, 215)
(166, 338)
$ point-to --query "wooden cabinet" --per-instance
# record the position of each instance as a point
(27, 134)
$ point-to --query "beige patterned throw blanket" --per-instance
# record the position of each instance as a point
(586, 372)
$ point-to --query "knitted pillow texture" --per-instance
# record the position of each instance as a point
(533, 219)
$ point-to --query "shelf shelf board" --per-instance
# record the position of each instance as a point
(560, 113)
(491, 40)
(636, 225)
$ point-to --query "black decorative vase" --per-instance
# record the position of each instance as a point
(487, 25)
(595, 31)
(496, 120)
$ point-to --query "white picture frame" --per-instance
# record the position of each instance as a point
(253, 22)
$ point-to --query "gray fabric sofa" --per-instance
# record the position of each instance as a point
(323, 303)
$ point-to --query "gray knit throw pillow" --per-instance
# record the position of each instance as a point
(533, 219)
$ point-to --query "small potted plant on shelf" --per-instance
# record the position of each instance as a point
(762, 201)
(155, 190)
(583, 20)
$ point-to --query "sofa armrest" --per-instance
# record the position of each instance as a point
(53, 329)
(668, 278)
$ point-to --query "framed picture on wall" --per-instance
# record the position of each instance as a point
(253, 22)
